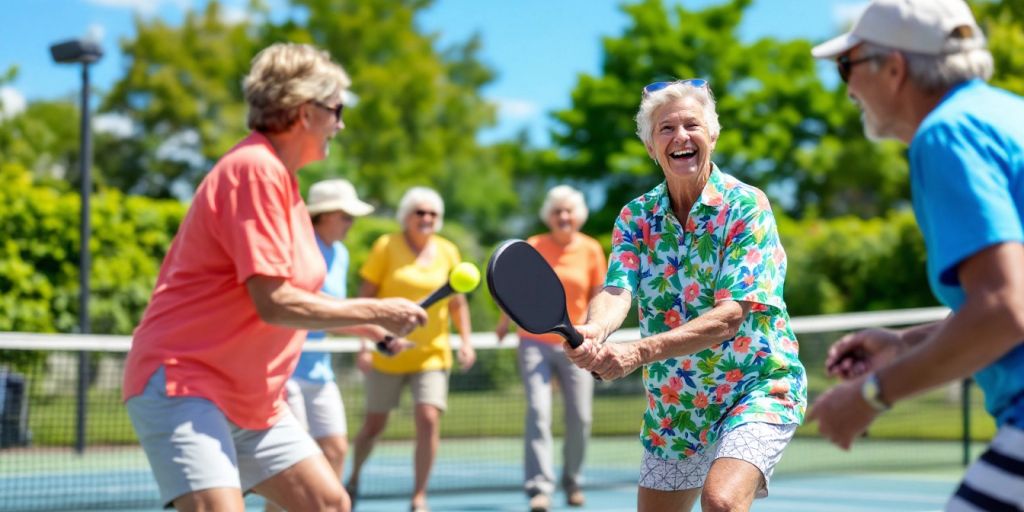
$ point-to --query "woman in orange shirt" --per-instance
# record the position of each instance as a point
(580, 264)
(204, 378)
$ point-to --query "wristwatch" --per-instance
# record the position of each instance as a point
(872, 393)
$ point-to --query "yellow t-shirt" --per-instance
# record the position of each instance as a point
(392, 267)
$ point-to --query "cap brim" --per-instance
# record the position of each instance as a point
(835, 47)
(355, 208)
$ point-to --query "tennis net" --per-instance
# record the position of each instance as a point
(481, 448)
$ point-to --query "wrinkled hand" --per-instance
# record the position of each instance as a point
(616, 360)
(390, 345)
(861, 352)
(842, 414)
(466, 356)
(584, 354)
(401, 316)
(364, 361)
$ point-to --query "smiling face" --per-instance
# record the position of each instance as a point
(563, 218)
(680, 140)
(422, 219)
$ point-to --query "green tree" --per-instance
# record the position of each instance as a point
(782, 129)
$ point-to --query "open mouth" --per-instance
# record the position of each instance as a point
(683, 154)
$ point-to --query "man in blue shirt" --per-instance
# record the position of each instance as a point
(312, 392)
(917, 70)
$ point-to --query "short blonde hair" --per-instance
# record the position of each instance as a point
(413, 197)
(676, 92)
(565, 194)
(283, 77)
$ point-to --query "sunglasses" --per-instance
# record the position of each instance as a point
(335, 110)
(424, 213)
(845, 64)
(657, 86)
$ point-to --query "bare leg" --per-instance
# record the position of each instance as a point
(731, 485)
(228, 499)
(309, 485)
(428, 437)
(372, 427)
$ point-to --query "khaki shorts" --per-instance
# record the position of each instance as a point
(192, 446)
(384, 390)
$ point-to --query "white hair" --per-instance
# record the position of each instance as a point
(413, 198)
(675, 92)
(967, 60)
(565, 194)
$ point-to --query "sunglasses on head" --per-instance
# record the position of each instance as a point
(335, 110)
(845, 64)
(657, 86)
(424, 213)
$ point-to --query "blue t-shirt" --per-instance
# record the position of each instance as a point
(967, 179)
(316, 366)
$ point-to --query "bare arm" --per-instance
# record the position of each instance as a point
(988, 325)
(458, 306)
(280, 303)
(617, 360)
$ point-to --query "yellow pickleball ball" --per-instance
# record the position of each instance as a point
(464, 277)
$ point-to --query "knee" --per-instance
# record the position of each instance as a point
(716, 500)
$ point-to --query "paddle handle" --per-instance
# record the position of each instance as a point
(575, 339)
(438, 294)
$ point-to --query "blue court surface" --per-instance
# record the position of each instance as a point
(485, 475)
(849, 493)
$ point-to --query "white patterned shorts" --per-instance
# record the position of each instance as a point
(760, 444)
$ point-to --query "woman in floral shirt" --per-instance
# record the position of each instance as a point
(701, 254)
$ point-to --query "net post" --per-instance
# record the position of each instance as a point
(965, 405)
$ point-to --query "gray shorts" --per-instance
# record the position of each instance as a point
(384, 390)
(192, 446)
(318, 406)
(760, 444)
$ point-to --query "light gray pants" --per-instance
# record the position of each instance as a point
(538, 362)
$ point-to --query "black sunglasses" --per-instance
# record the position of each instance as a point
(657, 86)
(424, 213)
(845, 64)
(335, 110)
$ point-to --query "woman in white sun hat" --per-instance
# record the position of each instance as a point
(312, 392)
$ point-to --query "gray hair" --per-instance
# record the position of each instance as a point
(416, 195)
(283, 77)
(565, 194)
(675, 92)
(966, 60)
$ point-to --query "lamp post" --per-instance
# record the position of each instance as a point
(86, 52)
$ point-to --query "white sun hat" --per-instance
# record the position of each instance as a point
(930, 27)
(336, 195)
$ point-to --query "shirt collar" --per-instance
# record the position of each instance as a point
(711, 196)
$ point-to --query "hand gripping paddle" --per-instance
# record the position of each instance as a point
(526, 288)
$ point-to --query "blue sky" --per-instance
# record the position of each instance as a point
(537, 47)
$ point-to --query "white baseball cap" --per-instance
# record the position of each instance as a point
(336, 195)
(917, 26)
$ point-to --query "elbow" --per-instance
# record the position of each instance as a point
(268, 312)
(733, 320)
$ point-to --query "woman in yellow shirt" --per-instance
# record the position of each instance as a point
(412, 264)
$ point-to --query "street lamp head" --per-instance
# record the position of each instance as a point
(76, 50)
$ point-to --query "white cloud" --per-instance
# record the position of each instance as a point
(844, 15)
(233, 14)
(516, 108)
(95, 32)
(117, 125)
(12, 102)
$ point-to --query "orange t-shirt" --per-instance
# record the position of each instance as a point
(580, 267)
(247, 218)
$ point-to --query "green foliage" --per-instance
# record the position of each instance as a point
(849, 264)
(39, 255)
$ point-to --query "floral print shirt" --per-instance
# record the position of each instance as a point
(729, 249)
